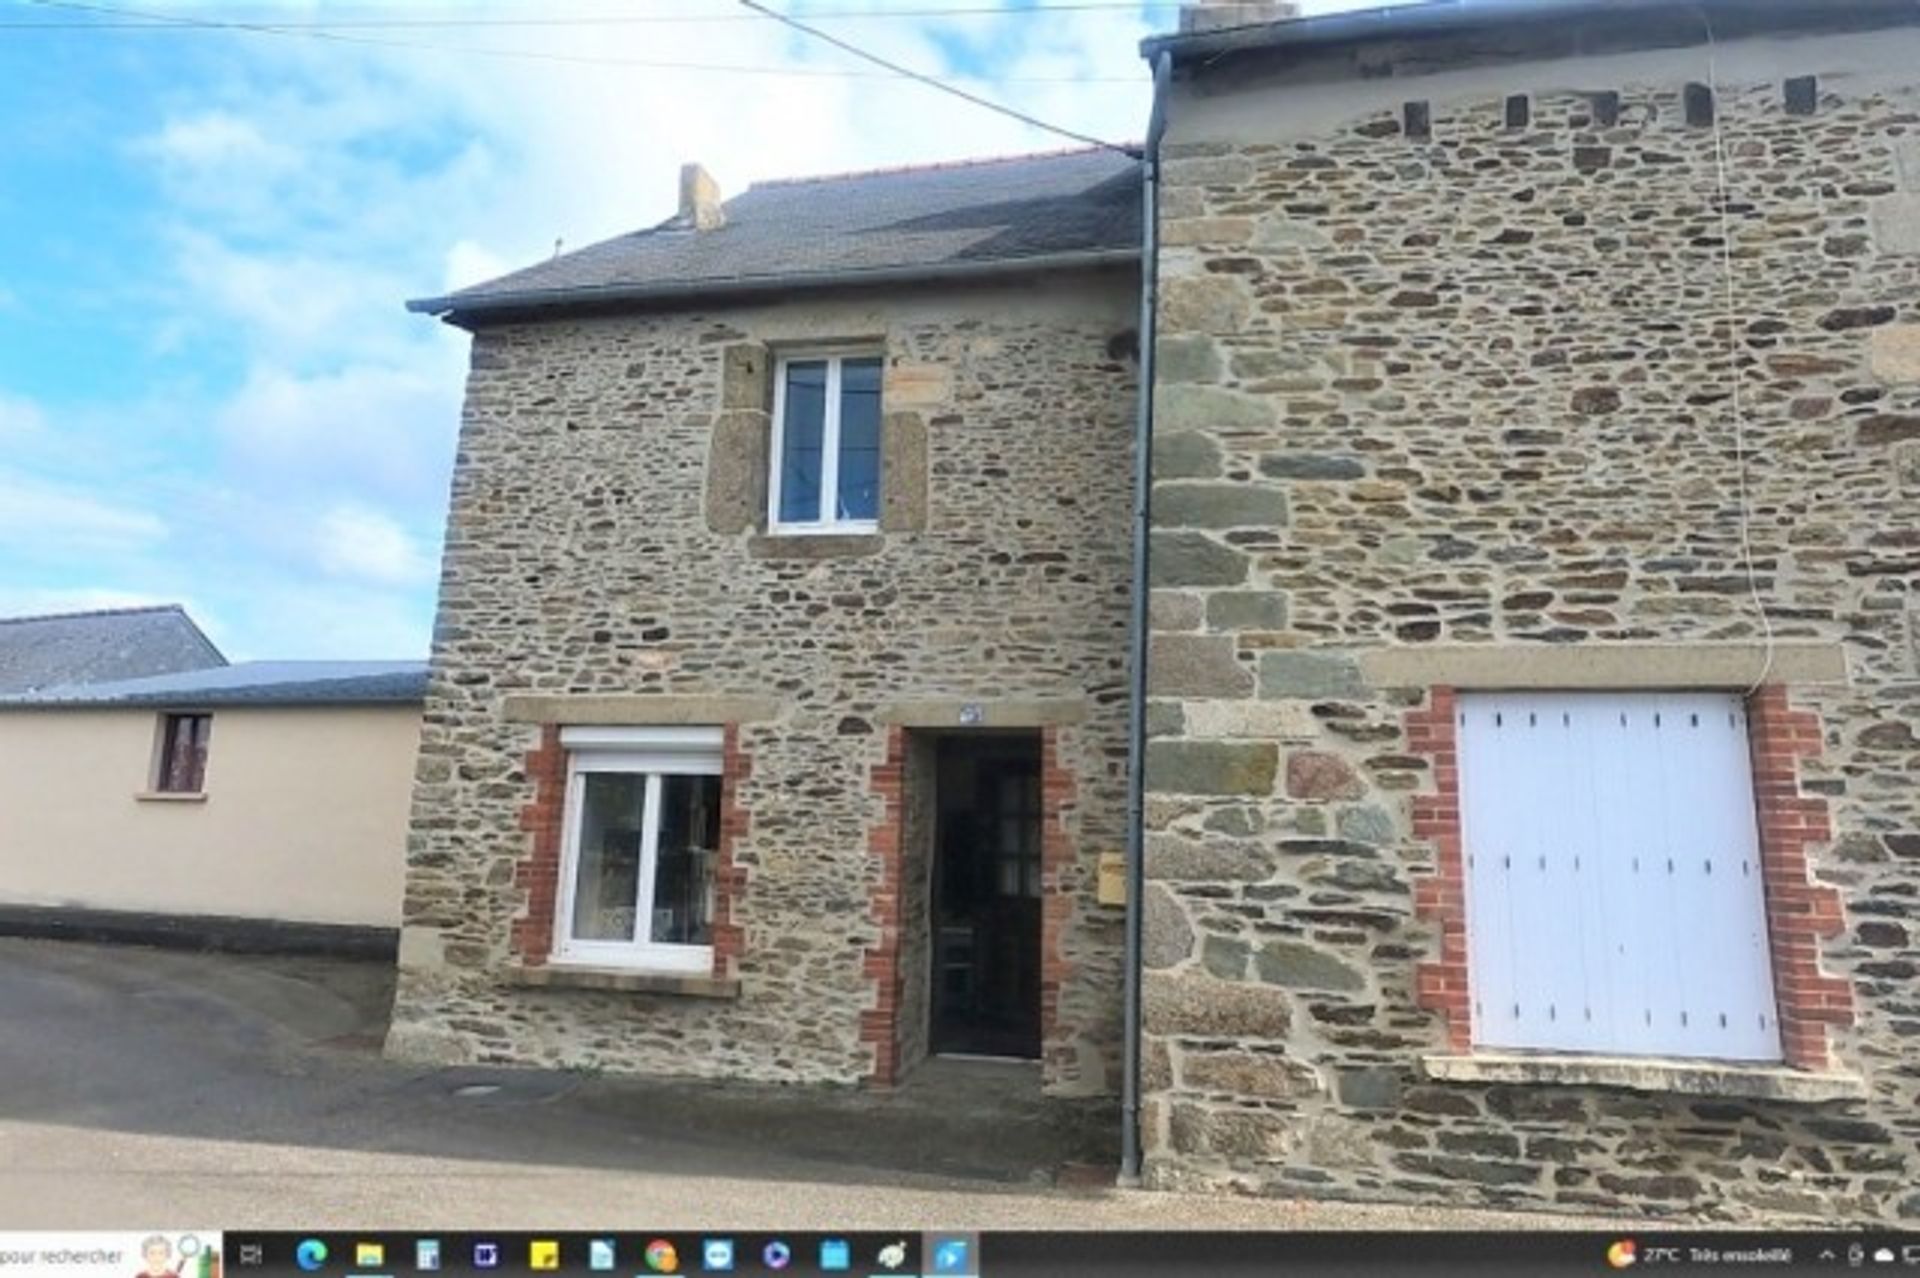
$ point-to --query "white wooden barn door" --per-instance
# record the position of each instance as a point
(1614, 898)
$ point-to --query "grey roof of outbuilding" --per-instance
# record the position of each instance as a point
(249, 683)
(86, 647)
(1062, 208)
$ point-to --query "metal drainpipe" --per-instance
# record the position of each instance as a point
(1130, 1156)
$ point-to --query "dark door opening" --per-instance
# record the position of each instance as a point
(986, 897)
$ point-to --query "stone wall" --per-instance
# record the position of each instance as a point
(605, 540)
(1473, 392)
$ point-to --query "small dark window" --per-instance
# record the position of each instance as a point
(1519, 111)
(1803, 95)
(1418, 121)
(1606, 108)
(183, 753)
(1699, 100)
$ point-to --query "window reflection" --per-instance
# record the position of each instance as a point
(607, 886)
(689, 846)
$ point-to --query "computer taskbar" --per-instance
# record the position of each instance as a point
(213, 1253)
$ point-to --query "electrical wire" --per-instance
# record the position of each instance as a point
(933, 82)
(647, 19)
(1733, 359)
(167, 21)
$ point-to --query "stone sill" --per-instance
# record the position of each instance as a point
(1607, 666)
(170, 796)
(811, 546)
(623, 980)
(636, 710)
(985, 712)
(1647, 1074)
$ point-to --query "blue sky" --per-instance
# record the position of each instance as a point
(209, 390)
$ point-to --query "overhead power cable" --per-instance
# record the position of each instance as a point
(148, 19)
(625, 19)
(1742, 459)
(934, 82)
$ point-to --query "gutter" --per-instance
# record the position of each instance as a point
(200, 705)
(455, 307)
(1130, 1151)
(1647, 23)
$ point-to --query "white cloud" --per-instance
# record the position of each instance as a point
(358, 542)
(29, 601)
(38, 518)
(328, 618)
(204, 144)
(295, 305)
(386, 431)
(469, 263)
(20, 419)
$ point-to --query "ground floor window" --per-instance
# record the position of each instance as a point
(1615, 901)
(640, 848)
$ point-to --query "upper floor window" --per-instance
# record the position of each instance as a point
(182, 764)
(826, 444)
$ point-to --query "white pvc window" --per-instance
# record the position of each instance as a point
(826, 444)
(1613, 878)
(640, 846)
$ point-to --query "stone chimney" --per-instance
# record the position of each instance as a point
(699, 199)
(1214, 15)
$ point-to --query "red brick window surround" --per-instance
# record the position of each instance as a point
(1057, 882)
(537, 874)
(1441, 985)
(1800, 913)
(880, 1024)
(881, 963)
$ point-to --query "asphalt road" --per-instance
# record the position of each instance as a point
(141, 1088)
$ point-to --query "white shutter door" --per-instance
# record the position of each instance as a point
(1614, 900)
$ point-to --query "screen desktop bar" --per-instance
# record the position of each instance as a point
(948, 1254)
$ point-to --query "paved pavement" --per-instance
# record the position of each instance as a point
(141, 1087)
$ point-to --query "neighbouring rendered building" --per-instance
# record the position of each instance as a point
(258, 805)
(1532, 711)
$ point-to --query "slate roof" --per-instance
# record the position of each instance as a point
(249, 683)
(952, 219)
(84, 647)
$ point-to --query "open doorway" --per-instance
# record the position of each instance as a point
(986, 898)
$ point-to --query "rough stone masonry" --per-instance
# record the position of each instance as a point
(1447, 400)
(607, 540)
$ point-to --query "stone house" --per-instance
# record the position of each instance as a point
(779, 720)
(1533, 694)
(1534, 703)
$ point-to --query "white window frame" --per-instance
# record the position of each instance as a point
(829, 444)
(655, 753)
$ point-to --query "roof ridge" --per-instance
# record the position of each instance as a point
(304, 661)
(127, 611)
(933, 166)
